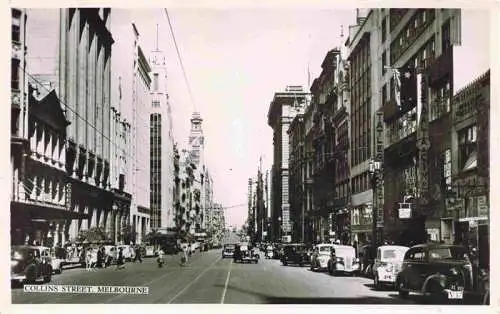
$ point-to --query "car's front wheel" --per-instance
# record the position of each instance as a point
(401, 289)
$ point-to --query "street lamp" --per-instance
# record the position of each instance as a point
(374, 169)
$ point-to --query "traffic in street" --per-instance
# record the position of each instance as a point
(211, 279)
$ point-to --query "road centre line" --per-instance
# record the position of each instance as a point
(225, 285)
(194, 280)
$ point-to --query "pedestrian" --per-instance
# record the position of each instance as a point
(119, 262)
(138, 254)
(88, 259)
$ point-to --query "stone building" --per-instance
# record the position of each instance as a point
(282, 110)
(70, 52)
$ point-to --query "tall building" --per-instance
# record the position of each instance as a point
(363, 43)
(297, 185)
(329, 143)
(131, 77)
(161, 146)
(38, 195)
(423, 40)
(70, 54)
(282, 110)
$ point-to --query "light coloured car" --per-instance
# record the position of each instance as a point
(128, 252)
(388, 264)
(343, 260)
(320, 257)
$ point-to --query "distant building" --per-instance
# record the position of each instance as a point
(282, 110)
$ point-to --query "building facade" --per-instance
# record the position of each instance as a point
(297, 164)
(419, 39)
(78, 71)
(282, 110)
(161, 146)
(465, 169)
(131, 77)
(196, 144)
(362, 43)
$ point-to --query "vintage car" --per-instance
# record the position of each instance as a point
(244, 253)
(269, 251)
(320, 257)
(295, 254)
(343, 260)
(30, 263)
(441, 271)
(388, 264)
(228, 250)
(127, 251)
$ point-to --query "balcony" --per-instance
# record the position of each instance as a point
(441, 67)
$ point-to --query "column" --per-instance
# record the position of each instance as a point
(33, 142)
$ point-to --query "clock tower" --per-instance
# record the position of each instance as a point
(196, 140)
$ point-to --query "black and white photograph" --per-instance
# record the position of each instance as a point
(250, 155)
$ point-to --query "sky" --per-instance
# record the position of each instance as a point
(235, 60)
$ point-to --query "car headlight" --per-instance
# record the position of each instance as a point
(14, 263)
(356, 260)
(454, 271)
(389, 267)
(339, 259)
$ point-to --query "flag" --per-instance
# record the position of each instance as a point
(405, 80)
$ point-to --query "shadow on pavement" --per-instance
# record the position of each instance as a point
(267, 299)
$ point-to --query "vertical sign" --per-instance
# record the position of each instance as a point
(379, 203)
(423, 145)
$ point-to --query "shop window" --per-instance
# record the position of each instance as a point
(468, 148)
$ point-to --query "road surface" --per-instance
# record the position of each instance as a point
(211, 279)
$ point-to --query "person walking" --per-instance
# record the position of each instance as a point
(185, 255)
(138, 253)
(88, 259)
(119, 262)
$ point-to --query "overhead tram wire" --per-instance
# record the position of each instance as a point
(180, 59)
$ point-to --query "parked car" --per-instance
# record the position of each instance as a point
(29, 264)
(149, 251)
(320, 257)
(111, 254)
(128, 252)
(388, 264)
(58, 259)
(343, 260)
(440, 271)
(295, 254)
(228, 250)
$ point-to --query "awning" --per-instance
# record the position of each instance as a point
(471, 162)
(45, 211)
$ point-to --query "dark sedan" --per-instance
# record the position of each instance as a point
(442, 272)
(295, 254)
(30, 263)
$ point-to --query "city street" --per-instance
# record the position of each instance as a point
(210, 279)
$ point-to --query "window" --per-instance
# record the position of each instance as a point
(467, 146)
(384, 55)
(446, 37)
(155, 82)
(384, 29)
(14, 74)
(156, 104)
(16, 28)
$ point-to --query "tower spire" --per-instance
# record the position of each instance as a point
(156, 37)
